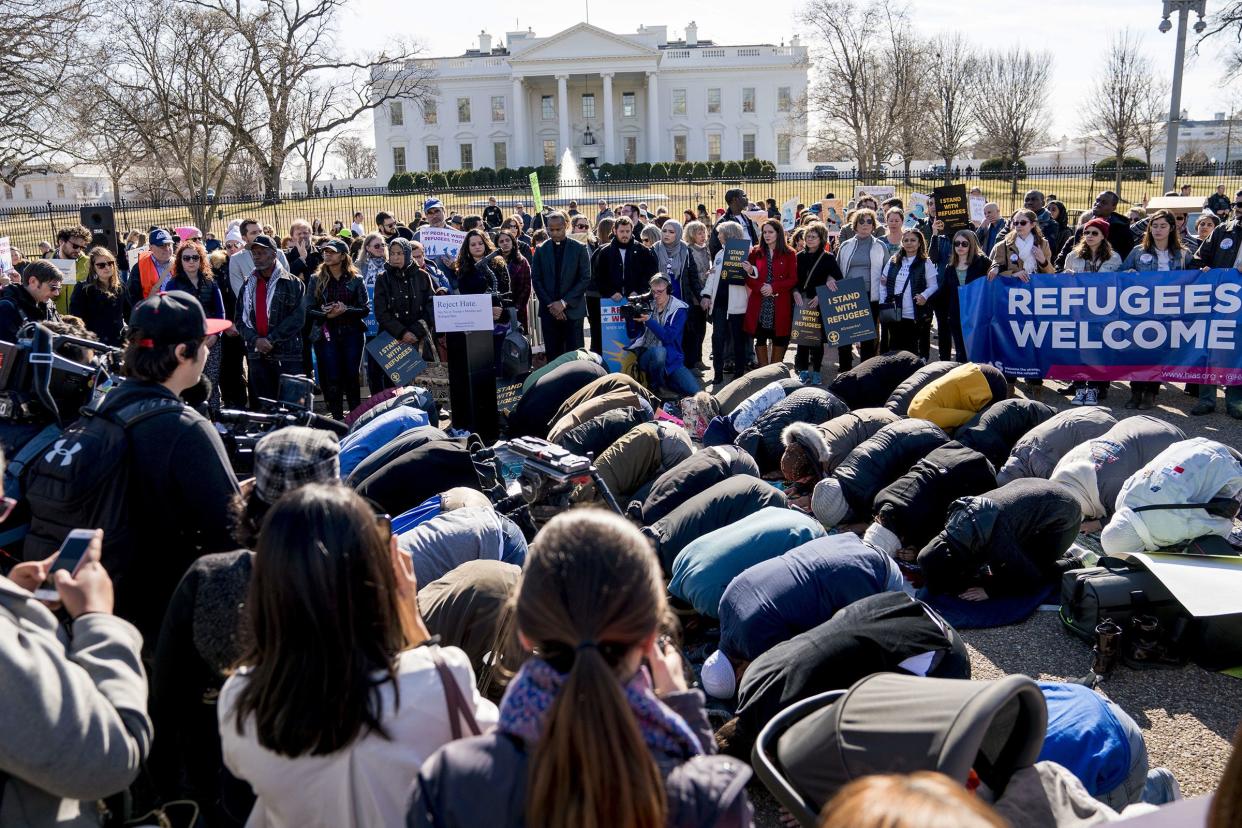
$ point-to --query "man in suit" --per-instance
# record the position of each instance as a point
(560, 274)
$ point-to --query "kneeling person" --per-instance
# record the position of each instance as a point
(659, 347)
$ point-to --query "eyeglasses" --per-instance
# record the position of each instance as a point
(961, 244)
(106, 265)
(193, 258)
(866, 220)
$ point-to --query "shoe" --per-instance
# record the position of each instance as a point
(1072, 389)
(1161, 787)
(816, 378)
(1091, 397)
(1147, 401)
(804, 377)
(1146, 649)
(1080, 397)
(1203, 407)
(1133, 402)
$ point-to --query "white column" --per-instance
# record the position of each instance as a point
(562, 110)
(517, 157)
(653, 119)
(610, 138)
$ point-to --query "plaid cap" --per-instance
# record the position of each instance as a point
(293, 457)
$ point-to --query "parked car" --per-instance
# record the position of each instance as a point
(874, 175)
(933, 173)
(826, 171)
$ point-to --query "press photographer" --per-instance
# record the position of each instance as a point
(658, 348)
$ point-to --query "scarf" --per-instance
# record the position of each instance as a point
(530, 695)
(1026, 252)
(248, 294)
(673, 263)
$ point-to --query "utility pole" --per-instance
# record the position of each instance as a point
(1183, 9)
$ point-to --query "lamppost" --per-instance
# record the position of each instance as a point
(1183, 9)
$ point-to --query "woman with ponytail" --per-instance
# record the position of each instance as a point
(598, 727)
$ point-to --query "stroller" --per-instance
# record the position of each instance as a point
(891, 723)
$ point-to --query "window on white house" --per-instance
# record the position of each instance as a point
(631, 149)
(548, 110)
(628, 107)
(463, 110)
(748, 146)
(549, 151)
(713, 102)
(713, 146)
(679, 102)
(467, 156)
(398, 160)
(748, 99)
(784, 100)
(433, 159)
(498, 109)
(588, 107)
(679, 148)
(429, 112)
(782, 149)
(501, 152)
(396, 113)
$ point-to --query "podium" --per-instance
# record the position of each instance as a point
(466, 322)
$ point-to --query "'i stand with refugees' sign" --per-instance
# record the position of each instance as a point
(807, 331)
(400, 361)
(1178, 326)
(846, 313)
(735, 252)
(952, 208)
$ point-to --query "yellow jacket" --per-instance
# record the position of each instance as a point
(951, 400)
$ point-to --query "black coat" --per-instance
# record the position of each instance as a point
(698, 472)
(356, 308)
(914, 505)
(376, 460)
(490, 275)
(814, 271)
(1007, 540)
(105, 315)
(532, 416)
(996, 429)
(1119, 238)
(762, 440)
(1211, 254)
(722, 504)
(869, 384)
(403, 299)
(602, 430)
(883, 458)
(945, 298)
(17, 307)
(611, 277)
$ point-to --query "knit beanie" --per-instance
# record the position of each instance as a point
(828, 502)
(718, 677)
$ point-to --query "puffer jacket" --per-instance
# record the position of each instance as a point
(601, 431)
(956, 397)
(720, 505)
(703, 569)
(762, 440)
(403, 297)
(598, 387)
(482, 780)
(584, 411)
(1191, 471)
(870, 383)
(733, 394)
(1038, 451)
(450, 539)
(914, 505)
(899, 401)
(407, 441)
(1094, 471)
(725, 428)
(634, 460)
(883, 458)
(698, 472)
(840, 435)
(1007, 540)
(996, 429)
(568, 356)
(536, 408)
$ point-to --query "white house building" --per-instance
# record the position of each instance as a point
(607, 97)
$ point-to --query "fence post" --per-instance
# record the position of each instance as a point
(50, 220)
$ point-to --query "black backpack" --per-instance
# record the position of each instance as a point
(514, 351)
(82, 481)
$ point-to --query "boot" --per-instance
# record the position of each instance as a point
(1147, 649)
(1107, 647)
(761, 356)
(1135, 399)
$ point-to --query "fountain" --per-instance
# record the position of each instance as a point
(568, 181)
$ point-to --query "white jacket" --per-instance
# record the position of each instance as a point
(739, 295)
(879, 262)
(1191, 471)
(367, 783)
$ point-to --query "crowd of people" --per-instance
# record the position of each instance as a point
(366, 632)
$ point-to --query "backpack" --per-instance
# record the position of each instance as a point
(83, 481)
(514, 351)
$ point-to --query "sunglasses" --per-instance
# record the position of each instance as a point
(582, 227)
(961, 244)
(193, 258)
(106, 265)
(76, 245)
(866, 221)
(1022, 223)
(1092, 233)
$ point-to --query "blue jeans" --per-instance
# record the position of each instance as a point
(339, 359)
(1233, 395)
(653, 362)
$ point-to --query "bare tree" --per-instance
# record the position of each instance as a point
(1151, 120)
(1110, 112)
(39, 46)
(912, 98)
(1012, 118)
(309, 114)
(955, 80)
(855, 96)
(356, 156)
(294, 47)
(1226, 22)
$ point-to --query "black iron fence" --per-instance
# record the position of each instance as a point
(1075, 186)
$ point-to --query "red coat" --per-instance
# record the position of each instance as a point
(784, 279)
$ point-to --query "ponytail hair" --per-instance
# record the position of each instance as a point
(590, 594)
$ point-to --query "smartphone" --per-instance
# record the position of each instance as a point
(67, 557)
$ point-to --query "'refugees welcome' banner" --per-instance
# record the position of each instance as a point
(1179, 326)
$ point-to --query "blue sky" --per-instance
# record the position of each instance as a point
(1075, 31)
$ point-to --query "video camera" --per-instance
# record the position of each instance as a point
(636, 305)
(38, 377)
(546, 473)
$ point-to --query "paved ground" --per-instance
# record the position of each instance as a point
(1188, 716)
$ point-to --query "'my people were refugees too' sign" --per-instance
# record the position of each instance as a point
(1176, 326)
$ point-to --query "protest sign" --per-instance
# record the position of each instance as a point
(951, 207)
(789, 214)
(534, 191)
(6, 255)
(977, 203)
(880, 192)
(507, 396)
(1178, 326)
(846, 313)
(68, 270)
(612, 333)
(466, 312)
(757, 217)
(399, 360)
(918, 210)
(735, 252)
(441, 241)
(807, 331)
(831, 215)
